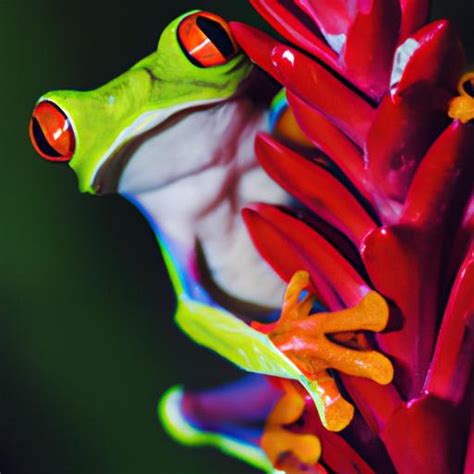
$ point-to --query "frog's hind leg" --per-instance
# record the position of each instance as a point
(230, 418)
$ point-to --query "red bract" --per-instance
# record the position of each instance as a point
(371, 86)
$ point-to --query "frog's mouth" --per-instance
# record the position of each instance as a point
(144, 158)
(109, 177)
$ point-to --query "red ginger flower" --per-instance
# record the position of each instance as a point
(371, 86)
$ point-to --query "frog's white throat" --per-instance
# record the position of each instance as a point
(193, 178)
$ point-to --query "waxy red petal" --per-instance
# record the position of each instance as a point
(436, 58)
(375, 402)
(316, 187)
(339, 456)
(370, 44)
(414, 15)
(337, 453)
(369, 445)
(460, 244)
(332, 16)
(443, 183)
(256, 44)
(289, 245)
(269, 241)
(404, 261)
(423, 434)
(286, 21)
(337, 239)
(313, 83)
(404, 266)
(329, 139)
(469, 462)
(454, 353)
(402, 132)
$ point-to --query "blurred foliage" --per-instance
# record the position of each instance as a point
(87, 341)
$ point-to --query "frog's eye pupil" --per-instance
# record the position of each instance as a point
(41, 141)
(51, 132)
(206, 39)
(217, 34)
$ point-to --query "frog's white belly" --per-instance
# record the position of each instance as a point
(203, 204)
(234, 263)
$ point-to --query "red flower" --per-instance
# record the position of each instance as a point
(390, 190)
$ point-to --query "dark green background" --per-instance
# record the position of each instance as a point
(87, 342)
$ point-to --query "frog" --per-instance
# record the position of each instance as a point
(174, 135)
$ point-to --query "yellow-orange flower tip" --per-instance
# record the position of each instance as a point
(462, 106)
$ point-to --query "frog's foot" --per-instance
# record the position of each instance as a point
(299, 346)
(322, 341)
(230, 418)
(290, 451)
(259, 420)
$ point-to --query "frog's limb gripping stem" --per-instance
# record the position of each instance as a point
(311, 342)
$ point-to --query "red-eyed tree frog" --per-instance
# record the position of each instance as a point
(175, 135)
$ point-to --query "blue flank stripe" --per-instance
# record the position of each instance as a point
(278, 106)
(164, 244)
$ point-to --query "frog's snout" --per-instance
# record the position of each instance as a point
(51, 132)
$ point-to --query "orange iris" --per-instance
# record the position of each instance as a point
(206, 39)
(51, 132)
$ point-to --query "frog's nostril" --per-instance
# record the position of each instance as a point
(51, 132)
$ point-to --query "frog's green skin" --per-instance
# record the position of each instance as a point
(155, 88)
(177, 140)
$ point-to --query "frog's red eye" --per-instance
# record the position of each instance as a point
(206, 39)
(51, 132)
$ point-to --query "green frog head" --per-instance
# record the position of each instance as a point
(196, 66)
(175, 135)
